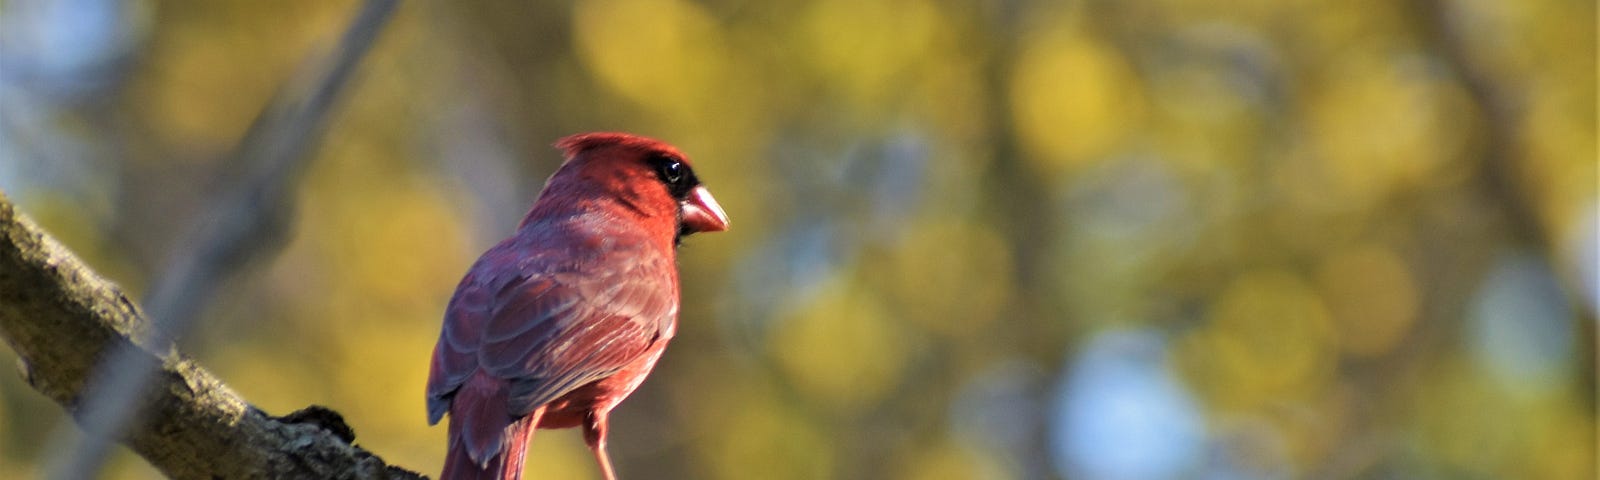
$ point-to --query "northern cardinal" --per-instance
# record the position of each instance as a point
(556, 325)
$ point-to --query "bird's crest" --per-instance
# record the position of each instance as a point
(573, 144)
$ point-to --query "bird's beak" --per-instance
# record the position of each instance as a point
(701, 212)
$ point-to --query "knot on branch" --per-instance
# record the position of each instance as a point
(323, 418)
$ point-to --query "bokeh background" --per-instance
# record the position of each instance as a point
(1004, 239)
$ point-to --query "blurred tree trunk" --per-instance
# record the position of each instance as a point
(1021, 198)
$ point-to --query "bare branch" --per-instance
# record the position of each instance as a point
(61, 318)
(248, 223)
(1438, 23)
(250, 220)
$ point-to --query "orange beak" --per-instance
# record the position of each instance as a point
(702, 214)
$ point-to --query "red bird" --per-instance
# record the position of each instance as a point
(557, 324)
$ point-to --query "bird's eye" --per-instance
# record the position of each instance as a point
(678, 177)
(671, 171)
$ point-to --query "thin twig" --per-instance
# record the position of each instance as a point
(1498, 176)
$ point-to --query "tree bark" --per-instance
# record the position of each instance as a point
(61, 319)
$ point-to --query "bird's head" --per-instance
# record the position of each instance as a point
(646, 176)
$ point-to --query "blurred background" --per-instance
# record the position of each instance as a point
(1004, 239)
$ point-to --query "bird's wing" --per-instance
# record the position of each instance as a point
(455, 356)
(568, 330)
(551, 332)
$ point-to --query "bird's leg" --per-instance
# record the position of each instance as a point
(594, 434)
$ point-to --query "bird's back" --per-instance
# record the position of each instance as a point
(545, 316)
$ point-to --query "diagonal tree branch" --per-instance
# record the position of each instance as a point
(248, 222)
(61, 319)
(1498, 176)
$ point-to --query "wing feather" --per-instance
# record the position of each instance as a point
(555, 325)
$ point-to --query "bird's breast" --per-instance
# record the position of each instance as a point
(601, 395)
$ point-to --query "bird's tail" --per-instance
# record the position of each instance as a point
(485, 442)
(505, 465)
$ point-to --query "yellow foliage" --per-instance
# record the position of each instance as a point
(1073, 100)
(1383, 124)
(1459, 419)
(379, 374)
(852, 46)
(1203, 120)
(1268, 337)
(1564, 445)
(1372, 296)
(950, 278)
(949, 461)
(215, 64)
(748, 431)
(842, 349)
(667, 55)
(382, 252)
(557, 454)
(1559, 143)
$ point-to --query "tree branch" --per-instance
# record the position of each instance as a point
(247, 222)
(61, 319)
